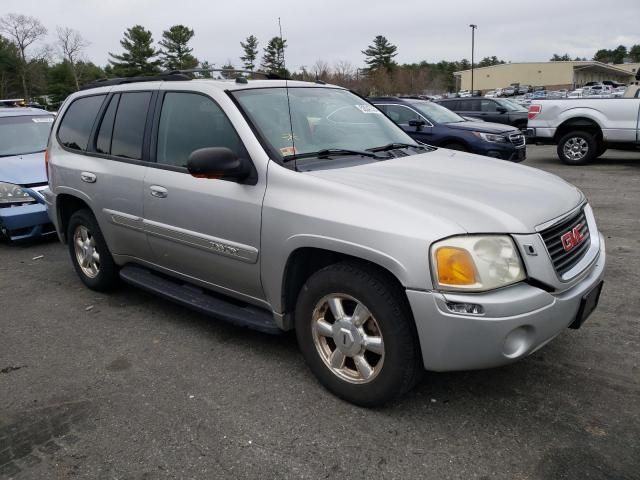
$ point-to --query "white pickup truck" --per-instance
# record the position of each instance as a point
(583, 129)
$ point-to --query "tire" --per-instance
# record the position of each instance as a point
(602, 148)
(99, 273)
(456, 146)
(392, 355)
(577, 148)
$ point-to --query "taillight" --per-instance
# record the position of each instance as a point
(534, 111)
(46, 163)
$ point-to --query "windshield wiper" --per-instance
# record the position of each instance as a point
(394, 146)
(327, 152)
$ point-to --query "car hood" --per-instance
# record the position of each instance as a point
(479, 194)
(484, 127)
(23, 169)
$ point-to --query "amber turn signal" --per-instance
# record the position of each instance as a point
(455, 266)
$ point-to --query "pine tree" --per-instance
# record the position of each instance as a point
(176, 53)
(380, 54)
(250, 47)
(138, 56)
(273, 58)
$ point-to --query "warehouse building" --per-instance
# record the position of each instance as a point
(552, 75)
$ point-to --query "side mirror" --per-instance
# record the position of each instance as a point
(501, 110)
(219, 163)
(417, 123)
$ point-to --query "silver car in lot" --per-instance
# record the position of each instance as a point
(283, 205)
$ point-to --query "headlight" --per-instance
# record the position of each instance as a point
(489, 137)
(10, 193)
(476, 263)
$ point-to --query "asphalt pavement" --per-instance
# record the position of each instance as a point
(128, 386)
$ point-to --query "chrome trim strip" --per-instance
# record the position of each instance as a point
(124, 219)
(225, 248)
(550, 223)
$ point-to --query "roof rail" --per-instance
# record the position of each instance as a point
(165, 76)
(268, 76)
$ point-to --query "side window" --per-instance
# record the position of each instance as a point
(488, 106)
(103, 143)
(128, 127)
(78, 121)
(453, 105)
(401, 115)
(190, 121)
(473, 105)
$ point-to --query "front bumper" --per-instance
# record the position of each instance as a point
(25, 222)
(517, 321)
(504, 151)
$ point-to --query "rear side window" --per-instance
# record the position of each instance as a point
(188, 122)
(103, 143)
(78, 121)
(451, 104)
(128, 128)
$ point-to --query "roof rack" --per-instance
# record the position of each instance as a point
(165, 76)
(268, 76)
(175, 75)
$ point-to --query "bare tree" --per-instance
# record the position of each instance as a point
(23, 31)
(70, 45)
(321, 70)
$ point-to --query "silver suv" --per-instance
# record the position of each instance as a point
(289, 205)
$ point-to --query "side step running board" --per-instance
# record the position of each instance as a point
(242, 315)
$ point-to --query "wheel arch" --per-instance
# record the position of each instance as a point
(66, 205)
(304, 261)
(584, 123)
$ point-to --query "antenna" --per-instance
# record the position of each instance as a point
(286, 87)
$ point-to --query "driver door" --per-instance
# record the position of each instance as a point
(205, 229)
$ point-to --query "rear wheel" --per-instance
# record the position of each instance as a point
(357, 335)
(577, 148)
(602, 148)
(89, 253)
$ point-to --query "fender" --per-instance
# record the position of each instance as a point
(273, 280)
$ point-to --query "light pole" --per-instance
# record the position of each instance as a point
(473, 42)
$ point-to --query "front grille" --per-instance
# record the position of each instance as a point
(517, 139)
(562, 260)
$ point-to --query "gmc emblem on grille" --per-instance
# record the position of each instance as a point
(572, 239)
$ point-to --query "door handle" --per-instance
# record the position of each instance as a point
(88, 177)
(158, 191)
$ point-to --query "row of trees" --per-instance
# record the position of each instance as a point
(30, 68)
(620, 54)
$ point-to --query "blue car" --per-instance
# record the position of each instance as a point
(23, 139)
(433, 124)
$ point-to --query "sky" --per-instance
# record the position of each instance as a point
(338, 30)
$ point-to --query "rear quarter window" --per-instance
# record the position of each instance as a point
(78, 121)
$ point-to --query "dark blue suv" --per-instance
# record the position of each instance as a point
(433, 124)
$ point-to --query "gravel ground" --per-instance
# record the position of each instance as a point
(126, 385)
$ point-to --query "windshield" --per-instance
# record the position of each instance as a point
(24, 134)
(436, 113)
(321, 119)
(510, 105)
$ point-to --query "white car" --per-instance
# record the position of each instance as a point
(577, 93)
(490, 94)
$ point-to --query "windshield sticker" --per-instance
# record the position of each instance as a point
(288, 151)
(368, 109)
(43, 120)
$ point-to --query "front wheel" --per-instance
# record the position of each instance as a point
(577, 148)
(89, 253)
(357, 335)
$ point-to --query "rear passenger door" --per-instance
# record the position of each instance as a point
(204, 229)
(111, 169)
